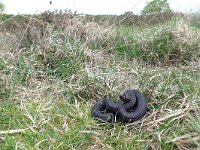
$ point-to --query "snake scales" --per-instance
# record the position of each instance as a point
(131, 107)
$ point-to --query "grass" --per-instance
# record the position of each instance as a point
(47, 88)
(160, 44)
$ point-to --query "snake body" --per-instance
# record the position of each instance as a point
(105, 109)
(131, 107)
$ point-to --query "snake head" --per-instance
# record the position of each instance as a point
(127, 96)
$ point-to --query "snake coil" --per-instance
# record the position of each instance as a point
(131, 107)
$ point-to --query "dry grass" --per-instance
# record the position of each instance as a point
(52, 70)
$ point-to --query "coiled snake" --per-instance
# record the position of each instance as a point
(131, 107)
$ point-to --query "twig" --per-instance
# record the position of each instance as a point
(13, 131)
(186, 139)
(175, 113)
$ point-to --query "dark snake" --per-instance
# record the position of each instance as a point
(131, 107)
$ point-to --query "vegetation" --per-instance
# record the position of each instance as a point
(55, 66)
(156, 6)
(1, 7)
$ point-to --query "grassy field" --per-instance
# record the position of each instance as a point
(54, 67)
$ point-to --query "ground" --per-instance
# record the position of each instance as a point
(54, 68)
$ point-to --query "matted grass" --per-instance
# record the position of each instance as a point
(49, 82)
